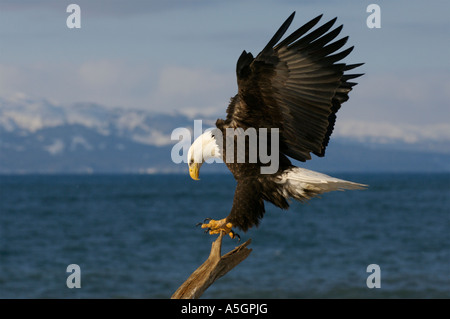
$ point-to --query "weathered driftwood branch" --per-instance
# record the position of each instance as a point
(212, 269)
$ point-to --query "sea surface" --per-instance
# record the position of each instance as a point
(134, 236)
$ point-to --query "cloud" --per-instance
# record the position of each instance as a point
(102, 73)
(407, 107)
(153, 137)
(115, 83)
(403, 98)
(106, 82)
(193, 90)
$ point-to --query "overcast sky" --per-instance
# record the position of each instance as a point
(180, 56)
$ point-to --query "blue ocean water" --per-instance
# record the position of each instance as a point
(134, 236)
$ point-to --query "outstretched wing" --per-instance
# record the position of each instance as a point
(295, 85)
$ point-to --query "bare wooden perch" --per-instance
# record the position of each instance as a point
(212, 269)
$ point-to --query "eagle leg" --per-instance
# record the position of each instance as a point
(217, 226)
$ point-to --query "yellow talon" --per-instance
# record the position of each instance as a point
(217, 226)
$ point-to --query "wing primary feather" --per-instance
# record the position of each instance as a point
(347, 85)
(346, 77)
(277, 36)
(299, 32)
(313, 35)
(330, 48)
(352, 66)
(324, 40)
(338, 56)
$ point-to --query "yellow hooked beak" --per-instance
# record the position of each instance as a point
(194, 170)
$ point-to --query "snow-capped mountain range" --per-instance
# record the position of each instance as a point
(43, 137)
(30, 117)
(39, 136)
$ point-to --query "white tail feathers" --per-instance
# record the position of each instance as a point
(303, 184)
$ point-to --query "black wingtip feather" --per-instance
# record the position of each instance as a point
(299, 32)
(338, 56)
(278, 35)
(330, 48)
(352, 66)
(346, 77)
(313, 35)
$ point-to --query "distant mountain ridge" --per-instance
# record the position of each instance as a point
(41, 137)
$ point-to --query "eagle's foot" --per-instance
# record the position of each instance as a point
(217, 226)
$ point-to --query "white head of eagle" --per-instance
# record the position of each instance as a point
(204, 148)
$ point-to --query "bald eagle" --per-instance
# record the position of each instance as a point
(293, 88)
